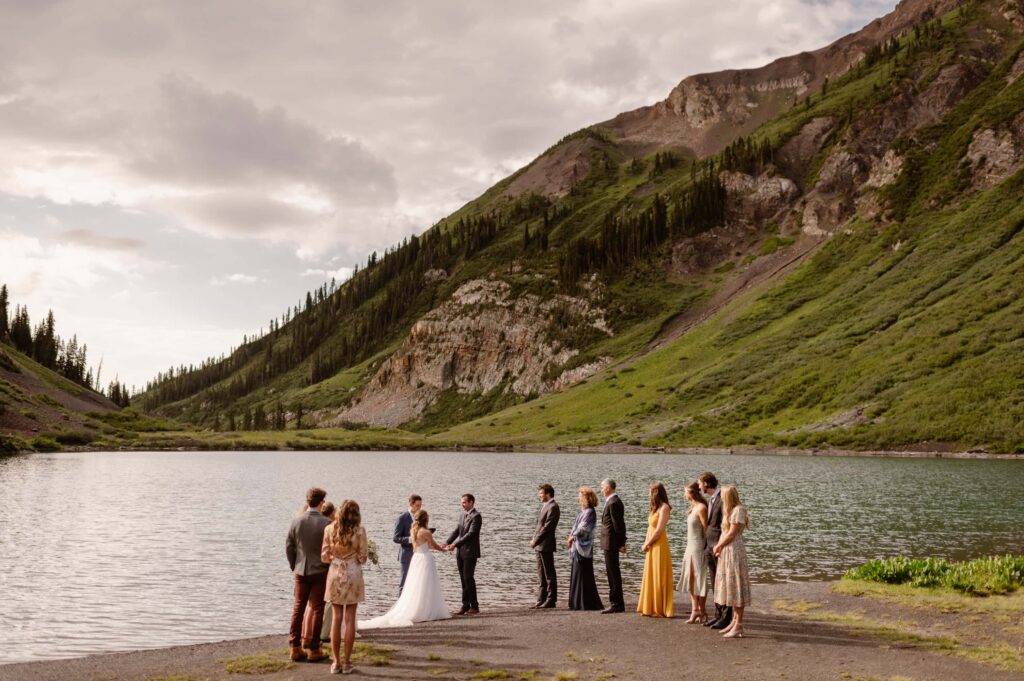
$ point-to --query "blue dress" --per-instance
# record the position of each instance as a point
(583, 593)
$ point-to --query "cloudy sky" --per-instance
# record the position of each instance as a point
(175, 174)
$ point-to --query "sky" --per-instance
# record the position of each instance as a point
(175, 174)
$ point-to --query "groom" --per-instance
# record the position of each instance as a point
(465, 541)
(403, 526)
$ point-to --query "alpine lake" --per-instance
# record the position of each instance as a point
(108, 551)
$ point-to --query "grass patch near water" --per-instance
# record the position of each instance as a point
(983, 576)
(256, 664)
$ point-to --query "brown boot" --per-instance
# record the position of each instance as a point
(315, 654)
(297, 654)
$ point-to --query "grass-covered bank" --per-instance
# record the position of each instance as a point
(986, 576)
(971, 609)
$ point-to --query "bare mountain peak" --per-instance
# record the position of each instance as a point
(705, 112)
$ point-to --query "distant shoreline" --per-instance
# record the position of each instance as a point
(595, 449)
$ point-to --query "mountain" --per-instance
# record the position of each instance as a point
(825, 251)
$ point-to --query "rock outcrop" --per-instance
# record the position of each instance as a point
(994, 155)
(704, 113)
(482, 339)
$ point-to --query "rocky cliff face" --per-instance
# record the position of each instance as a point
(482, 339)
(704, 113)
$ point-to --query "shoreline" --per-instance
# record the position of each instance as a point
(833, 635)
(578, 449)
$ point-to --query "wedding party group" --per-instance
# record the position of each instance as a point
(715, 558)
(327, 547)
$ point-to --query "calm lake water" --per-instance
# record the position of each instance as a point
(118, 551)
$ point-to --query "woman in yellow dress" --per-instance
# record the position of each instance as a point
(657, 588)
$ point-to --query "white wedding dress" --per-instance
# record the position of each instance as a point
(422, 599)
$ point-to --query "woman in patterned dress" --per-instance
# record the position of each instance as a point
(732, 582)
(346, 548)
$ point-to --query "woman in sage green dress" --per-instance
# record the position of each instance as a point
(694, 579)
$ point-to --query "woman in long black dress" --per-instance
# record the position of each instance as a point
(583, 593)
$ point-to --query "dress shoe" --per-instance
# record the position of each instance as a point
(473, 611)
(297, 654)
(315, 654)
(550, 604)
(463, 611)
(725, 621)
(611, 609)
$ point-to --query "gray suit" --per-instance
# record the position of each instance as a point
(544, 544)
(305, 538)
(302, 546)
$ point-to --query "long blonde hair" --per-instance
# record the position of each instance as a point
(346, 523)
(731, 501)
(421, 520)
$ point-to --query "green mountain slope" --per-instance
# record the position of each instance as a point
(41, 409)
(848, 275)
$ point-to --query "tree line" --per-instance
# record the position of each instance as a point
(44, 345)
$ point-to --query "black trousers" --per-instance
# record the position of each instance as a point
(467, 573)
(611, 566)
(548, 578)
(712, 570)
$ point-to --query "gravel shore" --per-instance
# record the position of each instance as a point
(802, 631)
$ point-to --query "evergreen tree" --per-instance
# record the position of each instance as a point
(259, 418)
(247, 419)
(21, 330)
(298, 416)
(4, 322)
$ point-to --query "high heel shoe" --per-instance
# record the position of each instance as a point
(736, 632)
(694, 618)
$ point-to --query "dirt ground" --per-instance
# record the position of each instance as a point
(800, 631)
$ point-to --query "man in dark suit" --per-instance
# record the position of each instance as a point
(613, 542)
(465, 541)
(302, 548)
(544, 544)
(403, 526)
(709, 487)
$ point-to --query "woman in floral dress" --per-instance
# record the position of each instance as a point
(346, 548)
(732, 581)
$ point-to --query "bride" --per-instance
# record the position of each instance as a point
(422, 599)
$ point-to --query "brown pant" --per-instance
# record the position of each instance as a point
(308, 590)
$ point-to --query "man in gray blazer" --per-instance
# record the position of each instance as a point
(302, 547)
(544, 544)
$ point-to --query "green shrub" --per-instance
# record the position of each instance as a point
(44, 443)
(982, 576)
(11, 444)
(76, 437)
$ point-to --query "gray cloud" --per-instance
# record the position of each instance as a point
(103, 242)
(227, 214)
(221, 139)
